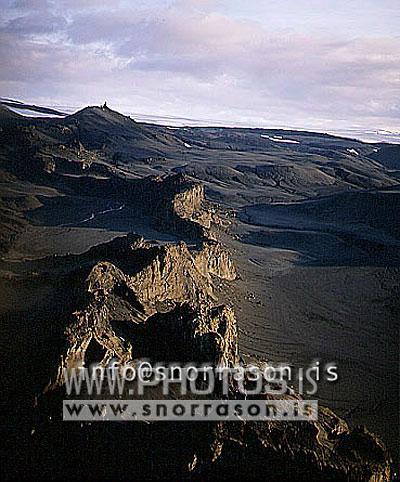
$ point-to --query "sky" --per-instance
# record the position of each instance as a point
(319, 64)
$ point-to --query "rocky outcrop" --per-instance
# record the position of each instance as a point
(323, 450)
(163, 278)
(188, 205)
(188, 202)
(159, 302)
(107, 298)
(216, 260)
(215, 337)
(172, 276)
(181, 206)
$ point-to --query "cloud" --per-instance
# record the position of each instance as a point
(31, 4)
(36, 23)
(194, 59)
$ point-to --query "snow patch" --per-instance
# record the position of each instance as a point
(280, 139)
(353, 151)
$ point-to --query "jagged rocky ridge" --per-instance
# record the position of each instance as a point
(164, 302)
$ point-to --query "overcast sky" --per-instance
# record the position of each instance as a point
(319, 64)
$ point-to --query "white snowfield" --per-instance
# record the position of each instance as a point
(280, 139)
(32, 113)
